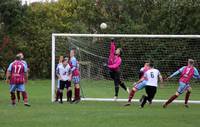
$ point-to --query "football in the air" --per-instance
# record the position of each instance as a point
(103, 25)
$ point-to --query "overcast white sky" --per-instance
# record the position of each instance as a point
(31, 1)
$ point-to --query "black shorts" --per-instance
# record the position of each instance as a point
(115, 75)
(64, 84)
(151, 91)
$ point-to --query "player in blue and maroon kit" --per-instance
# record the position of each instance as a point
(25, 63)
(75, 76)
(17, 76)
(186, 74)
(140, 85)
(114, 63)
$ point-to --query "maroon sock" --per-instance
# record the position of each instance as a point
(12, 95)
(131, 95)
(187, 95)
(77, 93)
(171, 99)
(57, 94)
(25, 96)
(18, 96)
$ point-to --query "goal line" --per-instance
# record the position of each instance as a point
(134, 100)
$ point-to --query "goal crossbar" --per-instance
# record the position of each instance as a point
(126, 35)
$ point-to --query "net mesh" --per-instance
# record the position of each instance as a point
(92, 52)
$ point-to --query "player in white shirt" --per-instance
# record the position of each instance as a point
(151, 77)
(64, 75)
(151, 82)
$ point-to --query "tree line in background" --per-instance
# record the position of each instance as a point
(29, 28)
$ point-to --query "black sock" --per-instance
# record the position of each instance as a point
(61, 96)
(144, 101)
(123, 85)
(116, 91)
(69, 95)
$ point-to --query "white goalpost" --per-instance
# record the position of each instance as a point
(168, 52)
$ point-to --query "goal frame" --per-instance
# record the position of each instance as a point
(53, 44)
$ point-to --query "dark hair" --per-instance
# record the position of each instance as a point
(151, 63)
(65, 59)
(146, 61)
(121, 51)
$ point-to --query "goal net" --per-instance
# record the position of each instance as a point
(168, 52)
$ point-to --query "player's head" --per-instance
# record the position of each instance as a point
(18, 57)
(118, 51)
(191, 62)
(72, 52)
(65, 61)
(112, 39)
(146, 64)
(151, 65)
(21, 55)
(61, 59)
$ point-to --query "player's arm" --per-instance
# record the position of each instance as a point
(196, 74)
(140, 80)
(70, 75)
(8, 73)
(116, 64)
(26, 73)
(58, 73)
(161, 79)
(74, 63)
(176, 73)
(112, 52)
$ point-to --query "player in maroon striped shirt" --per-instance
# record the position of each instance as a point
(17, 76)
(22, 58)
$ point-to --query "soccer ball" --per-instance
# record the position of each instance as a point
(103, 26)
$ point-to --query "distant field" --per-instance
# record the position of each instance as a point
(95, 114)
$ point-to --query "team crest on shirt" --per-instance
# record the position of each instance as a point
(65, 73)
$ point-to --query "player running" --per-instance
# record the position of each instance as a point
(58, 85)
(114, 63)
(75, 76)
(16, 76)
(64, 76)
(149, 81)
(186, 73)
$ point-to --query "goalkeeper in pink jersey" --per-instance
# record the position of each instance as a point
(186, 74)
(114, 63)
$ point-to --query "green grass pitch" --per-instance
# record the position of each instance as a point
(43, 113)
